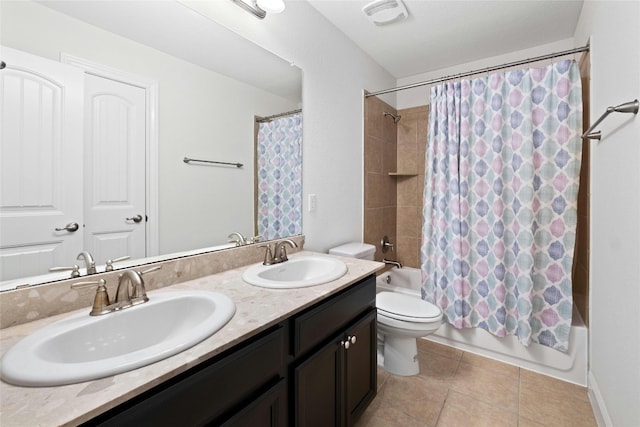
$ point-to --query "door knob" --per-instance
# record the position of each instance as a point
(71, 227)
(135, 218)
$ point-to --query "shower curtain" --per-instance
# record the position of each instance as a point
(279, 177)
(501, 185)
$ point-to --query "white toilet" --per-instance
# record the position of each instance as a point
(401, 320)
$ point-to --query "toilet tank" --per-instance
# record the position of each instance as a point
(355, 250)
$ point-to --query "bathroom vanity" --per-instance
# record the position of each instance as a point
(302, 357)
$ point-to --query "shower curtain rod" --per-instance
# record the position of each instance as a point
(482, 70)
(275, 116)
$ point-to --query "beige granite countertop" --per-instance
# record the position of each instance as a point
(256, 310)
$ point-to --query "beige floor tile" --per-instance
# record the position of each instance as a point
(549, 385)
(414, 396)
(481, 392)
(490, 364)
(382, 377)
(524, 422)
(439, 349)
(554, 403)
(436, 369)
(463, 411)
(386, 416)
(487, 385)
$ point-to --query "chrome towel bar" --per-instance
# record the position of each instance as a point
(188, 160)
(627, 107)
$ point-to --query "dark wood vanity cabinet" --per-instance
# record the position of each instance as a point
(334, 385)
(334, 382)
(245, 378)
(317, 368)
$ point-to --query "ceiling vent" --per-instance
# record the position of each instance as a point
(384, 12)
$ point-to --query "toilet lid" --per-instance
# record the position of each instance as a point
(405, 307)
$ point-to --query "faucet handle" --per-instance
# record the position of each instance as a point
(109, 266)
(75, 270)
(150, 270)
(268, 255)
(101, 300)
(255, 239)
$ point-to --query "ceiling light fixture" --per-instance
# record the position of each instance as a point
(384, 12)
(260, 8)
(273, 6)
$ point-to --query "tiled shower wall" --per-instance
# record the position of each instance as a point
(380, 146)
(394, 178)
(412, 140)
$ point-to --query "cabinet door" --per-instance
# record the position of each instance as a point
(269, 410)
(361, 366)
(318, 388)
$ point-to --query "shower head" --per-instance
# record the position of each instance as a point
(396, 118)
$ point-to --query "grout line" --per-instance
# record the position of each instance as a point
(442, 408)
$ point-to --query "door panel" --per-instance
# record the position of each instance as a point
(318, 388)
(361, 366)
(115, 173)
(41, 115)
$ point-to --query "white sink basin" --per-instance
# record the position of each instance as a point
(298, 272)
(82, 347)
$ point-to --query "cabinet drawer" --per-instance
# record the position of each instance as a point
(202, 395)
(320, 322)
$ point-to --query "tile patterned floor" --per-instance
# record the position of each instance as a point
(456, 388)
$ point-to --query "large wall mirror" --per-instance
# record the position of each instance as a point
(156, 77)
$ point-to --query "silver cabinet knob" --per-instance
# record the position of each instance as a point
(135, 218)
(352, 339)
(71, 227)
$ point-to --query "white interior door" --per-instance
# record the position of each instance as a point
(41, 117)
(114, 206)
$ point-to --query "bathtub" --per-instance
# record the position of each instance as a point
(570, 366)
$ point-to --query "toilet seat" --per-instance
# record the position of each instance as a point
(404, 307)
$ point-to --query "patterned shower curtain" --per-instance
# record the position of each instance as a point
(501, 185)
(279, 184)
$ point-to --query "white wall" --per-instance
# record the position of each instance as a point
(335, 74)
(202, 114)
(614, 378)
(420, 95)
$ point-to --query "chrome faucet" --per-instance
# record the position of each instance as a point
(131, 291)
(133, 286)
(391, 262)
(137, 293)
(88, 260)
(279, 253)
(239, 240)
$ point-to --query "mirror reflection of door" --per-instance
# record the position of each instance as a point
(52, 207)
(114, 177)
(41, 164)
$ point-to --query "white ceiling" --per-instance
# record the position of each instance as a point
(443, 33)
(174, 28)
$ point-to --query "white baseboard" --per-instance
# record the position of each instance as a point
(597, 403)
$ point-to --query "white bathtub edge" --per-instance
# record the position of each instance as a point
(570, 367)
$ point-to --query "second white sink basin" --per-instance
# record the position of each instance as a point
(82, 347)
(298, 272)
